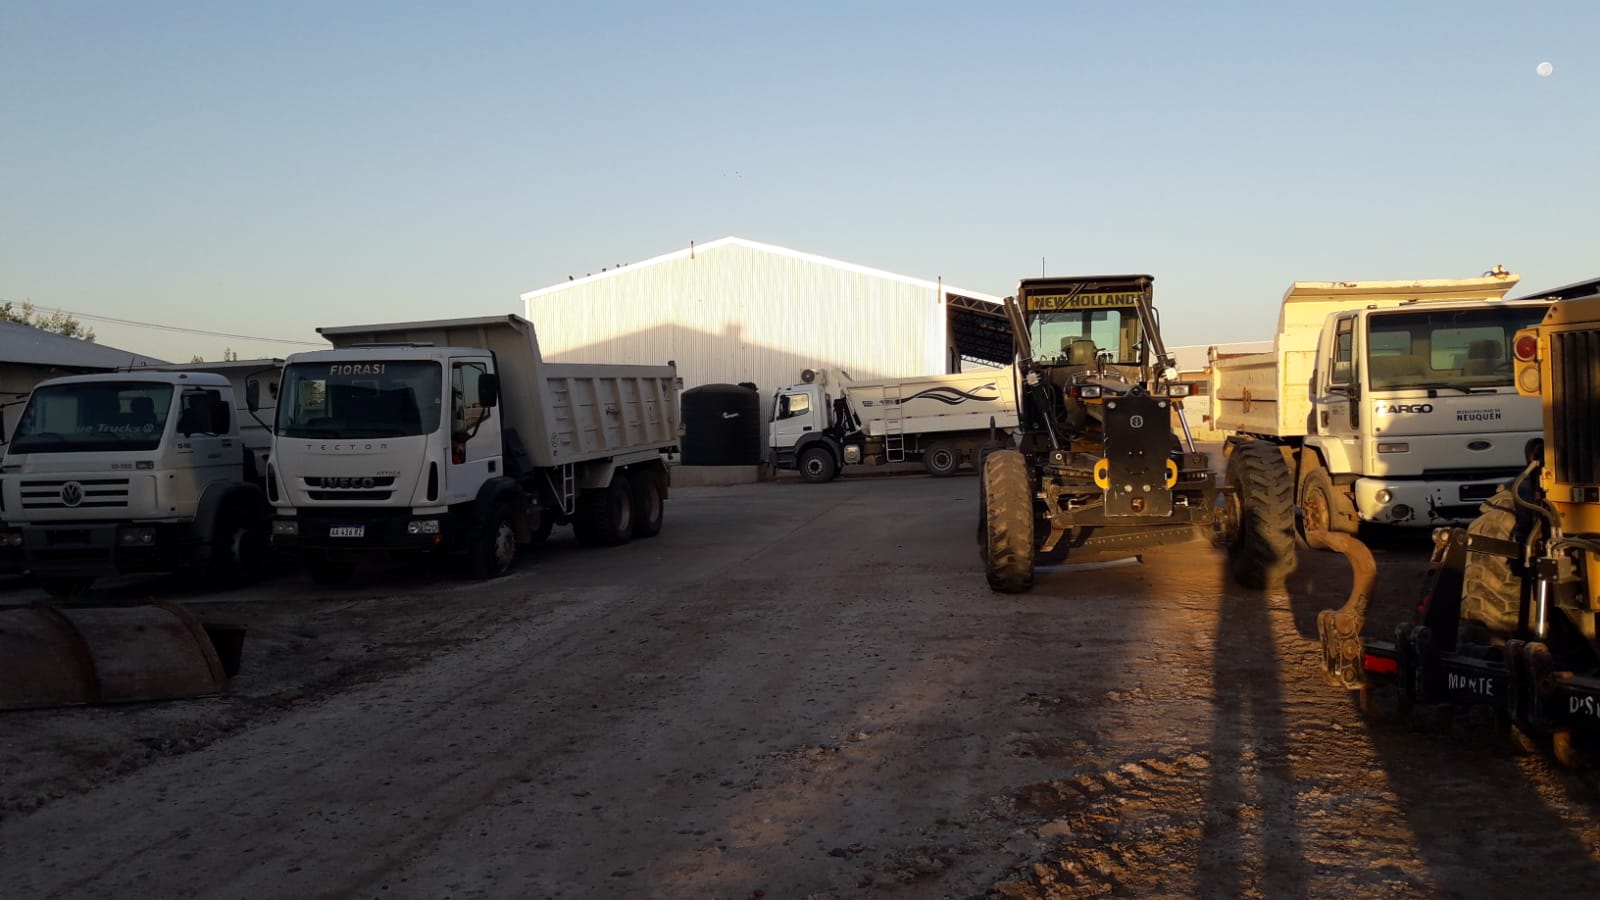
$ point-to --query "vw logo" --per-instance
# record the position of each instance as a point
(71, 494)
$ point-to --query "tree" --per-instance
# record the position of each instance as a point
(228, 355)
(56, 322)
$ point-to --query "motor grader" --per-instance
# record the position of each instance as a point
(1097, 470)
(1510, 607)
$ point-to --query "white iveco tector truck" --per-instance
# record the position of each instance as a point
(456, 437)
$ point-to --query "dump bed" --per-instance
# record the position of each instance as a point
(1270, 393)
(561, 413)
(929, 404)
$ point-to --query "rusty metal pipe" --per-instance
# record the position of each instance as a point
(1340, 629)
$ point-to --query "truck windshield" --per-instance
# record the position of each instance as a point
(1460, 348)
(1074, 336)
(94, 415)
(359, 399)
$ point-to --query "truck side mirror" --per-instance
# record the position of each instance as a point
(488, 390)
(252, 395)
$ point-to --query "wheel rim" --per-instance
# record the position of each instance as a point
(1315, 504)
(652, 503)
(814, 465)
(624, 514)
(505, 546)
(943, 460)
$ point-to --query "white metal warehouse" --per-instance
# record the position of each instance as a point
(734, 310)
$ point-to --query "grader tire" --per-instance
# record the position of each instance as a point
(1008, 522)
(1263, 554)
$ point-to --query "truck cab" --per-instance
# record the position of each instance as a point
(383, 447)
(137, 471)
(1414, 411)
(803, 416)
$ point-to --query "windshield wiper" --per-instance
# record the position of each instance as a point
(1445, 385)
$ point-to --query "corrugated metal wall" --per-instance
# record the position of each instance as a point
(734, 313)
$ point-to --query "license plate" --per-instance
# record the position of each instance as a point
(348, 531)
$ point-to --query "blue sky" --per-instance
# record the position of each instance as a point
(262, 169)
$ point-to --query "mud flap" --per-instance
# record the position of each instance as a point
(51, 656)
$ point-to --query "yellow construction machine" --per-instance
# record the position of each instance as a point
(1510, 610)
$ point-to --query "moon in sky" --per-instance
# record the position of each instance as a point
(1544, 69)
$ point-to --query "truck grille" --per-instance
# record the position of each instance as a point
(336, 496)
(1574, 395)
(74, 493)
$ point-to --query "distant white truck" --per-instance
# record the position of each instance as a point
(456, 437)
(943, 421)
(1387, 402)
(153, 469)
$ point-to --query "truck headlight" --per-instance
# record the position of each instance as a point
(852, 453)
(1088, 391)
(10, 539)
(285, 528)
(422, 526)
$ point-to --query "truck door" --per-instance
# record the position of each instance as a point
(474, 433)
(796, 414)
(203, 439)
(1339, 408)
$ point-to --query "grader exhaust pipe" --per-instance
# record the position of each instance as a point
(1340, 629)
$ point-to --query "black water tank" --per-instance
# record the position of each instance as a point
(721, 425)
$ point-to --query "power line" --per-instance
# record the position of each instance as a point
(222, 334)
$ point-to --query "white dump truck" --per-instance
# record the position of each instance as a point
(941, 420)
(152, 469)
(456, 437)
(1387, 402)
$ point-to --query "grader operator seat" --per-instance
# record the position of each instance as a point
(1079, 351)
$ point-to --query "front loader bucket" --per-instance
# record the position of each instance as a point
(1340, 630)
(53, 656)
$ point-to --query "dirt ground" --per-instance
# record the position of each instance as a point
(794, 691)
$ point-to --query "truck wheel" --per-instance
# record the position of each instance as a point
(605, 516)
(66, 587)
(495, 547)
(1324, 507)
(942, 459)
(239, 549)
(648, 507)
(326, 570)
(1008, 522)
(1262, 554)
(817, 464)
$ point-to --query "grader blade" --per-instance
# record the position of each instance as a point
(1340, 629)
(55, 656)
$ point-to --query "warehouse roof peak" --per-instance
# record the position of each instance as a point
(694, 249)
